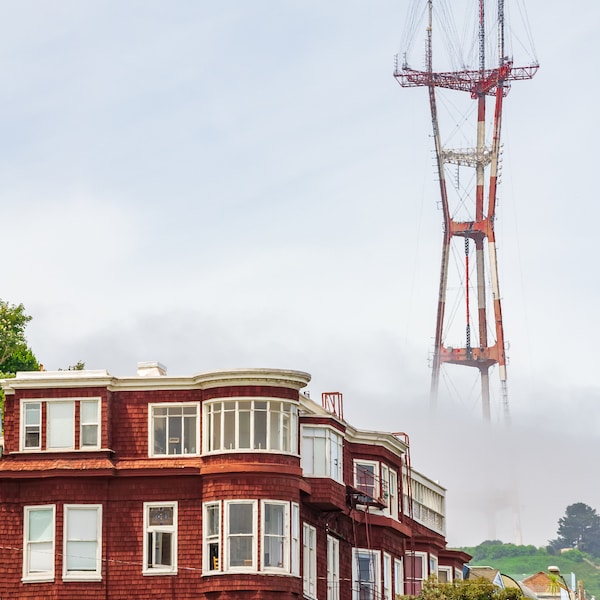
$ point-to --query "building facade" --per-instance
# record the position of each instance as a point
(222, 485)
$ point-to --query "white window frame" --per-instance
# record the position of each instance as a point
(448, 571)
(25, 426)
(152, 529)
(387, 576)
(374, 557)
(28, 545)
(252, 567)
(286, 428)
(45, 413)
(309, 560)
(285, 566)
(151, 452)
(333, 568)
(433, 566)
(295, 540)
(211, 539)
(55, 445)
(398, 577)
(332, 462)
(68, 536)
(91, 423)
(358, 464)
(413, 582)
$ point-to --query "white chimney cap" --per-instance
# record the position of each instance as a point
(151, 369)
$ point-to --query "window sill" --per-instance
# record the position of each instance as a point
(83, 577)
(155, 572)
(48, 579)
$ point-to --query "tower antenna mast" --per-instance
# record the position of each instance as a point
(477, 231)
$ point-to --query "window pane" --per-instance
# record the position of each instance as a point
(40, 525)
(32, 414)
(32, 437)
(212, 518)
(244, 427)
(89, 435)
(160, 435)
(175, 433)
(240, 518)
(162, 548)
(273, 551)
(260, 425)
(160, 515)
(216, 431)
(81, 556)
(240, 551)
(61, 424)
(89, 411)
(82, 524)
(189, 435)
(229, 428)
(275, 426)
(274, 519)
(41, 557)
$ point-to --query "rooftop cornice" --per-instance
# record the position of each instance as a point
(101, 378)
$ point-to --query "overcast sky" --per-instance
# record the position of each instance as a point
(243, 184)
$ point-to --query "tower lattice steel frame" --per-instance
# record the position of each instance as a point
(480, 83)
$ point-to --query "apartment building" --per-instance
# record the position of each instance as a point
(231, 484)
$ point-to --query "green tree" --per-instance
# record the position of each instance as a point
(579, 529)
(469, 589)
(15, 354)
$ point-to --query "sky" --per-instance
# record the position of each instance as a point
(244, 184)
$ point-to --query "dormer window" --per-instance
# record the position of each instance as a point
(60, 424)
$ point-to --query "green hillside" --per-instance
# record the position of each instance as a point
(520, 561)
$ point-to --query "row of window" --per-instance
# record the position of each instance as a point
(173, 428)
(230, 544)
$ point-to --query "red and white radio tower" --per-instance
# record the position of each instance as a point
(469, 209)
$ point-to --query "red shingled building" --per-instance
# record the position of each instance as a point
(220, 485)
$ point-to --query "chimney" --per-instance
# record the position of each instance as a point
(151, 369)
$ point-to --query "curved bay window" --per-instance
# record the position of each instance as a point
(250, 425)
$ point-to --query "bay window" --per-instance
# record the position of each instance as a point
(233, 547)
(415, 571)
(322, 453)
(250, 425)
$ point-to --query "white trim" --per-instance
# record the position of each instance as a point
(295, 541)
(97, 423)
(376, 476)
(412, 582)
(75, 575)
(387, 576)
(448, 571)
(206, 540)
(333, 568)
(41, 575)
(285, 567)
(309, 560)
(167, 405)
(329, 461)
(252, 566)
(398, 577)
(374, 557)
(172, 529)
(23, 425)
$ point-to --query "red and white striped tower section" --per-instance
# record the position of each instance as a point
(480, 83)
